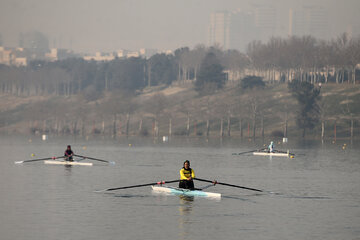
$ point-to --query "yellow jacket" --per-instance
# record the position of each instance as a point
(185, 174)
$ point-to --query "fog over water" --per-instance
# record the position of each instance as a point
(91, 25)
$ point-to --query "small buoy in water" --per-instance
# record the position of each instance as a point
(291, 156)
(33, 155)
(130, 144)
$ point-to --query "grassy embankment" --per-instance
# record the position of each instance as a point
(39, 114)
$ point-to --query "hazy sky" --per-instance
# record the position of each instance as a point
(107, 25)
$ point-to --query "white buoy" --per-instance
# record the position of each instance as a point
(165, 138)
(44, 137)
(285, 140)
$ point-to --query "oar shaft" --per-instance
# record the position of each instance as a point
(40, 159)
(230, 185)
(245, 152)
(96, 159)
(142, 185)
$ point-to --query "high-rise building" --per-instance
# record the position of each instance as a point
(242, 30)
(235, 30)
(219, 29)
(309, 20)
(265, 21)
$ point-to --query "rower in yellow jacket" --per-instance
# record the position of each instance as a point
(186, 176)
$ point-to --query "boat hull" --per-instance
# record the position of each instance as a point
(67, 163)
(185, 192)
(275, 154)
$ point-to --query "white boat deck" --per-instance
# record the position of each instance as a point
(275, 154)
(68, 163)
(185, 192)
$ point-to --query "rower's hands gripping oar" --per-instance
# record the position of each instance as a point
(230, 185)
(39, 159)
(136, 186)
(95, 159)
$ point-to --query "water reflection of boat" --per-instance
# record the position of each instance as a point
(185, 216)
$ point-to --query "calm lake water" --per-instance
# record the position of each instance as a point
(316, 194)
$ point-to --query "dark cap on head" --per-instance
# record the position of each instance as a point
(187, 161)
(69, 146)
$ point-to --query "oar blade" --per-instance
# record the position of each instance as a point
(100, 191)
(244, 152)
(19, 162)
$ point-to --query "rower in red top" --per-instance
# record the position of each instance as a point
(69, 154)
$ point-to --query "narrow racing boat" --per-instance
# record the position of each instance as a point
(275, 154)
(185, 192)
(68, 163)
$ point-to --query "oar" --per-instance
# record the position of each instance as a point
(40, 159)
(141, 185)
(244, 152)
(95, 159)
(230, 185)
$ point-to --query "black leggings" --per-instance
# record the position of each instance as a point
(186, 184)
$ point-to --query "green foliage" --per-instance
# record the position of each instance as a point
(127, 74)
(211, 73)
(307, 97)
(250, 82)
(162, 69)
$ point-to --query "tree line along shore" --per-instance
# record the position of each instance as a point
(298, 86)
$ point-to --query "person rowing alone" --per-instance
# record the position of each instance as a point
(186, 176)
(69, 154)
(271, 147)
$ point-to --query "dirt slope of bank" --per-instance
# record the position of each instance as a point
(155, 108)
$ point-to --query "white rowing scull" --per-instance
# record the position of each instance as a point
(185, 192)
(275, 154)
(68, 163)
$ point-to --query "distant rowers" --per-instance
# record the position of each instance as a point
(271, 147)
(186, 176)
(68, 154)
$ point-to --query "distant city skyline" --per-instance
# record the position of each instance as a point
(91, 25)
(236, 29)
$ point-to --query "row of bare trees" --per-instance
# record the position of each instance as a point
(306, 58)
(303, 58)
